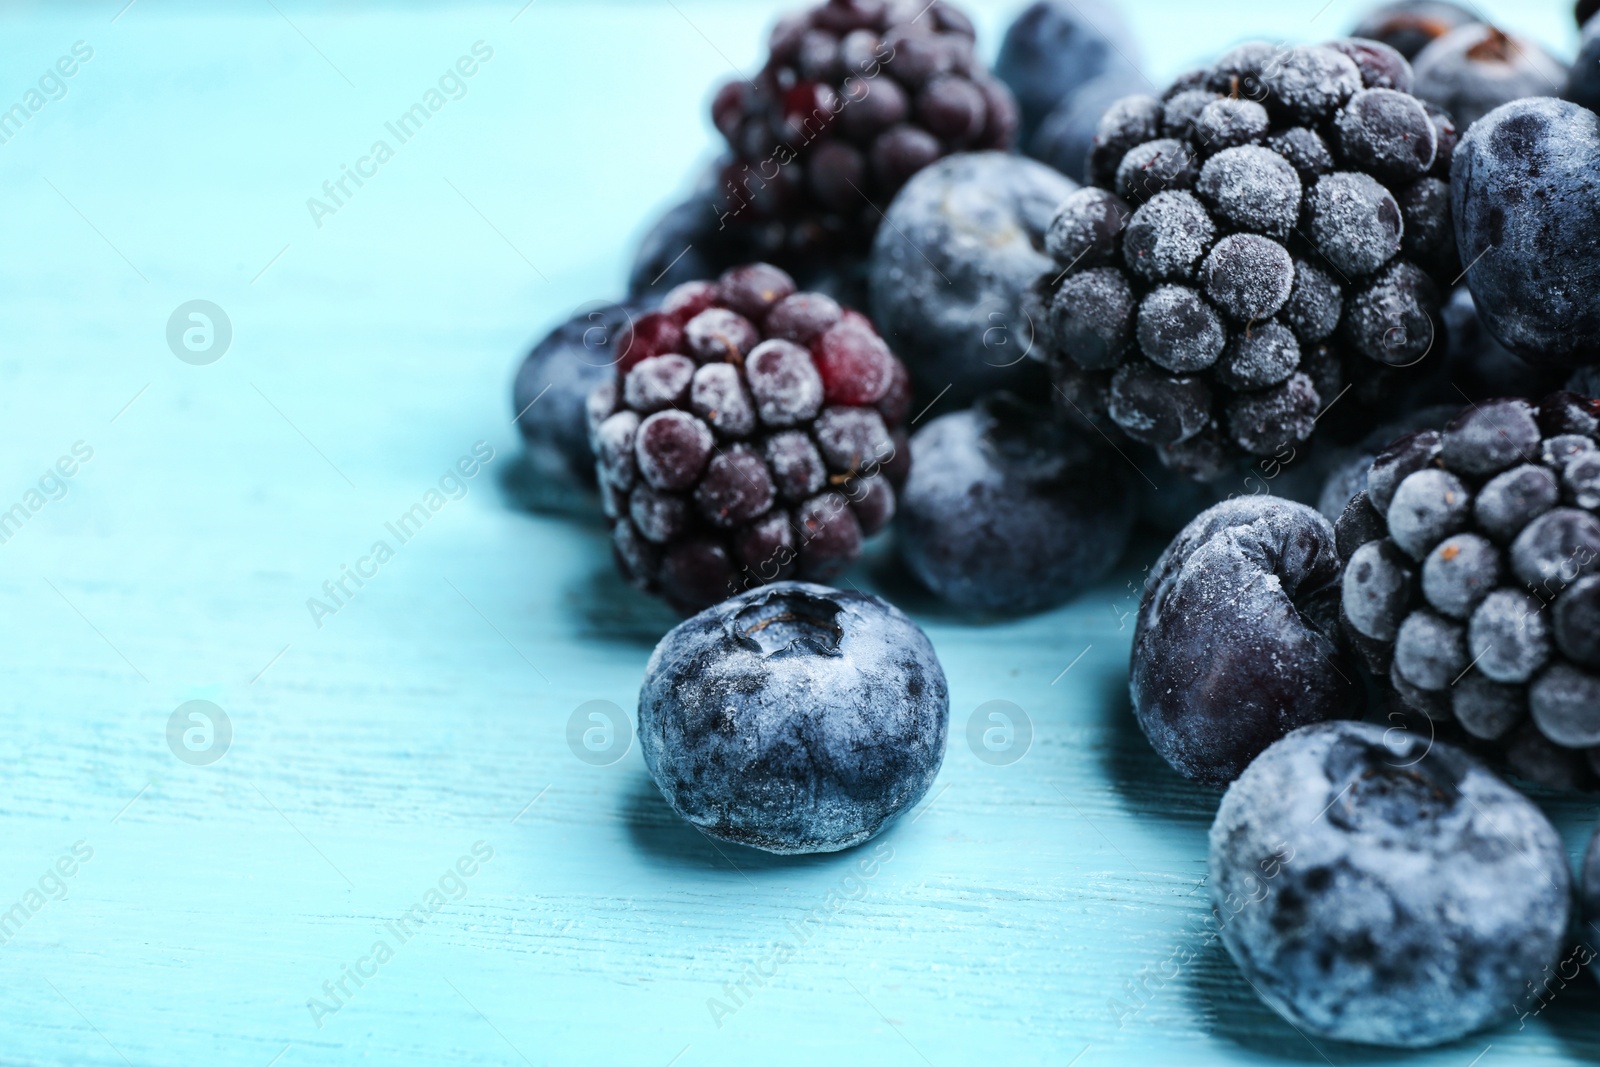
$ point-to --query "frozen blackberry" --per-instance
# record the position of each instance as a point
(856, 96)
(1476, 589)
(1264, 236)
(751, 434)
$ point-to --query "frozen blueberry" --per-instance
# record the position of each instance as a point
(1065, 137)
(683, 245)
(1053, 48)
(1237, 640)
(1178, 331)
(1525, 189)
(1166, 238)
(551, 391)
(794, 718)
(1381, 65)
(1252, 188)
(1384, 888)
(1248, 276)
(1355, 222)
(1386, 133)
(1409, 26)
(1008, 510)
(963, 243)
(1475, 68)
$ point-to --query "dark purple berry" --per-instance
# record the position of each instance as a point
(1248, 277)
(1157, 408)
(1178, 331)
(1128, 123)
(1490, 437)
(1393, 319)
(1377, 589)
(1308, 83)
(1154, 167)
(1386, 133)
(1087, 228)
(1507, 636)
(1266, 422)
(1381, 65)
(1251, 188)
(1264, 355)
(1509, 501)
(1235, 644)
(1354, 221)
(1315, 303)
(1305, 151)
(1167, 236)
(1092, 316)
(1228, 122)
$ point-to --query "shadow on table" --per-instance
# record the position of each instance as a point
(554, 494)
(1144, 782)
(662, 836)
(605, 608)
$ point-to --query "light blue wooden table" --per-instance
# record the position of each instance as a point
(157, 910)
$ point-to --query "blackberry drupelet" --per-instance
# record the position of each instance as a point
(1271, 233)
(751, 434)
(856, 96)
(1472, 578)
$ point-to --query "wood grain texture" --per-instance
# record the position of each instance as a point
(428, 714)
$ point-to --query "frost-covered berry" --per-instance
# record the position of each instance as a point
(762, 450)
(1480, 579)
(1297, 200)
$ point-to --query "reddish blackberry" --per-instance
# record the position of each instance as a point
(856, 96)
(1251, 245)
(752, 434)
(1472, 578)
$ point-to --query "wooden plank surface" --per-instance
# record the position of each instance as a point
(1010, 919)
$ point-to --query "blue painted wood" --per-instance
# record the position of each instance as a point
(378, 747)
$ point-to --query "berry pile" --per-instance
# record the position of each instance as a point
(1253, 243)
(1473, 577)
(751, 434)
(856, 96)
